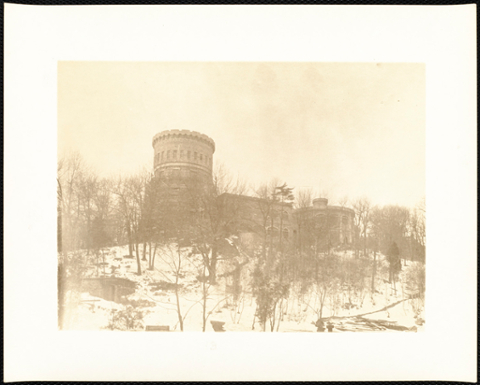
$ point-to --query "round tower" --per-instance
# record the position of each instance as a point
(184, 155)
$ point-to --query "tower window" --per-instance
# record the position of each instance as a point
(181, 154)
(174, 154)
(163, 153)
(188, 154)
(201, 158)
(168, 154)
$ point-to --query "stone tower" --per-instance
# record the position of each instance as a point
(182, 156)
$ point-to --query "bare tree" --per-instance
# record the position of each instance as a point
(212, 221)
(225, 182)
(266, 205)
(173, 255)
(362, 207)
(70, 169)
(375, 236)
(130, 192)
(87, 190)
(304, 198)
(326, 281)
(417, 231)
(270, 278)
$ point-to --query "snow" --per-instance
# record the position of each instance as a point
(93, 313)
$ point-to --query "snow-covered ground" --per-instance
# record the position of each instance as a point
(155, 298)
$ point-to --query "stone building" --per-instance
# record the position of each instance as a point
(256, 218)
(184, 159)
(183, 156)
(324, 225)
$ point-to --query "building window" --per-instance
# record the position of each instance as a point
(188, 154)
(181, 154)
(285, 233)
(201, 158)
(163, 153)
(195, 156)
(271, 230)
(168, 154)
(174, 154)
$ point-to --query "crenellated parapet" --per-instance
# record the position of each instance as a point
(183, 134)
(183, 154)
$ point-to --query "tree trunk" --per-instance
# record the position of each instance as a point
(272, 318)
(139, 264)
(130, 240)
(281, 314)
(144, 258)
(365, 243)
(374, 270)
(179, 312)
(264, 250)
(150, 256)
(177, 296)
(212, 266)
(204, 303)
(154, 255)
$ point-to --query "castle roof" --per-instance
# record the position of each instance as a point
(327, 208)
(256, 199)
(187, 134)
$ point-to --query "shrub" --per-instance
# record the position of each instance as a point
(129, 318)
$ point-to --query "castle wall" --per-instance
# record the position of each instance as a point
(183, 154)
(333, 224)
(184, 158)
(255, 215)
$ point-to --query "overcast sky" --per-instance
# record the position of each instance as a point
(354, 129)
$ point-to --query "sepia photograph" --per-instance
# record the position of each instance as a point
(264, 197)
(277, 193)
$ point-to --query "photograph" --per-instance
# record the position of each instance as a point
(247, 196)
(262, 186)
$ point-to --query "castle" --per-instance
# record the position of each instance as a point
(183, 157)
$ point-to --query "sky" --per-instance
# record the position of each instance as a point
(341, 129)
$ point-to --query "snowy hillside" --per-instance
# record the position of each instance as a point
(160, 294)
